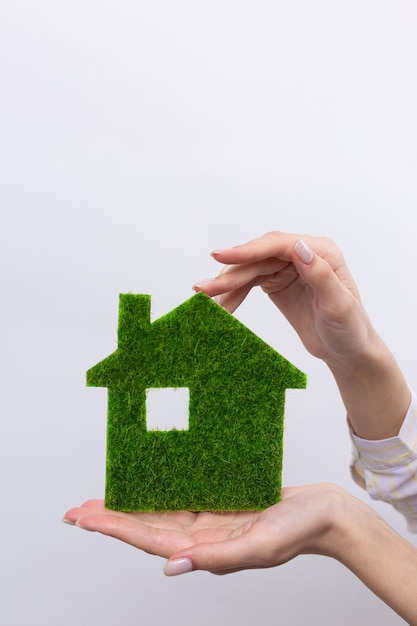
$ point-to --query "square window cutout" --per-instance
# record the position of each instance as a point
(167, 408)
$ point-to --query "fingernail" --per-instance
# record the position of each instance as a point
(202, 283)
(304, 252)
(79, 524)
(177, 567)
(219, 251)
(68, 521)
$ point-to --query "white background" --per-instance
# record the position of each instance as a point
(135, 137)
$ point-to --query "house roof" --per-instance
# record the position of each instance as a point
(198, 335)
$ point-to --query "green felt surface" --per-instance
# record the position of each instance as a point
(230, 458)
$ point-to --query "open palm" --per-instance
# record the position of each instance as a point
(222, 542)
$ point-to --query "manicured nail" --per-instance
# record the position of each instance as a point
(219, 251)
(177, 567)
(68, 521)
(202, 283)
(304, 252)
(79, 524)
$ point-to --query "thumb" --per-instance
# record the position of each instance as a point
(329, 283)
(221, 557)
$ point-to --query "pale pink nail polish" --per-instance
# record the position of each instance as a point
(219, 251)
(177, 567)
(202, 283)
(304, 252)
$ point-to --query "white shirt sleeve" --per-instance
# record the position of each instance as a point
(387, 468)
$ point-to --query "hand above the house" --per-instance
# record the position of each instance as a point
(308, 280)
(316, 519)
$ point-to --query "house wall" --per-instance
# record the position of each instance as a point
(135, 138)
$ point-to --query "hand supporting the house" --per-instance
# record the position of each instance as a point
(316, 519)
(308, 280)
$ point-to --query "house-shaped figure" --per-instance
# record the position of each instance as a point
(230, 456)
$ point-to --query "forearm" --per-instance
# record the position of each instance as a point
(382, 559)
(374, 391)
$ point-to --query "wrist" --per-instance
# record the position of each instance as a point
(374, 390)
(352, 528)
(346, 533)
(370, 356)
(325, 524)
(336, 525)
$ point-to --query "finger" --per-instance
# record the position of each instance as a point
(332, 284)
(73, 514)
(237, 276)
(244, 552)
(269, 283)
(280, 246)
(233, 299)
(280, 280)
(272, 244)
(159, 541)
(89, 507)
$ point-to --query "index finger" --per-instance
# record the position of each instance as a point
(245, 275)
(273, 244)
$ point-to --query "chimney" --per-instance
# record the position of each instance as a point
(134, 319)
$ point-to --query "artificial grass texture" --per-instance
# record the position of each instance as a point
(230, 458)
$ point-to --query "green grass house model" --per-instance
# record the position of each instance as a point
(228, 453)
